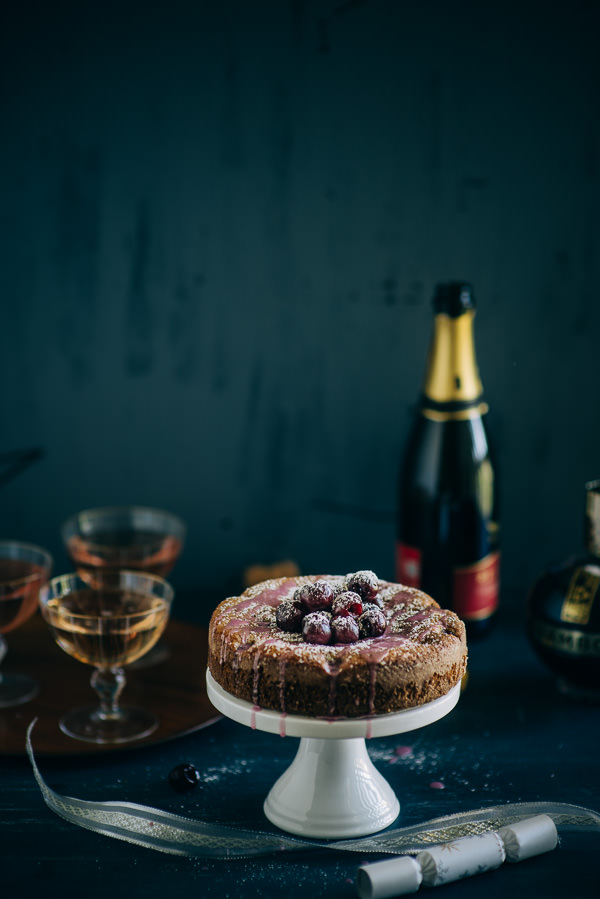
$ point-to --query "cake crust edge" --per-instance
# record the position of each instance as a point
(251, 659)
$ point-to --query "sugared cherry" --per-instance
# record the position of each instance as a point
(365, 583)
(375, 601)
(316, 627)
(289, 615)
(344, 629)
(371, 623)
(317, 597)
(301, 592)
(347, 603)
(184, 777)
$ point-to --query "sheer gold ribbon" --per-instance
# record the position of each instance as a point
(174, 834)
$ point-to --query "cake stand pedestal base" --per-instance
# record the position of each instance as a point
(331, 790)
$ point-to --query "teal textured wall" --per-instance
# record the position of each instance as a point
(221, 226)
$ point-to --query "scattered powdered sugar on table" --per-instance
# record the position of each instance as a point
(440, 766)
(259, 878)
(415, 758)
(215, 773)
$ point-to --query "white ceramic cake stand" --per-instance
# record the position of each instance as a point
(332, 789)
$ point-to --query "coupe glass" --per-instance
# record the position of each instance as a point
(24, 568)
(115, 538)
(107, 624)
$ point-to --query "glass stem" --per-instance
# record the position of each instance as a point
(108, 684)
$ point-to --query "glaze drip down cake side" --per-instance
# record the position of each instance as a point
(335, 646)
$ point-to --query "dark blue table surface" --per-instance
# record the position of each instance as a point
(511, 738)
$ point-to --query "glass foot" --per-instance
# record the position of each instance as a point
(16, 689)
(90, 725)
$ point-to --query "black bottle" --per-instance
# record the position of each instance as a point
(563, 622)
(448, 540)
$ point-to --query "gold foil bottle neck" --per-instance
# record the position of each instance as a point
(452, 373)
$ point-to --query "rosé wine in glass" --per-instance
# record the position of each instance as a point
(119, 538)
(24, 569)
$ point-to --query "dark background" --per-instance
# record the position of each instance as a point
(221, 227)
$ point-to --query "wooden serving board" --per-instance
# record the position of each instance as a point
(174, 688)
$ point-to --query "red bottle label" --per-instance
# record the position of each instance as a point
(476, 588)
(408, 565)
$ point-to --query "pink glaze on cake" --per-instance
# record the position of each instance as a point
(420, 656)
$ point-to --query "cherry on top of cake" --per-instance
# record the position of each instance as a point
(327, 612)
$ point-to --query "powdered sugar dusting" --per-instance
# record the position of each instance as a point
(247, 626)
(437, 766)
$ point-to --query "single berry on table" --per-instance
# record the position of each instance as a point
(347, 603)
(344, 629)
(316, 627)
(289, 615)
(184, 777)
(371, 623)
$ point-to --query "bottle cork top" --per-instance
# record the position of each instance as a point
(453, 298)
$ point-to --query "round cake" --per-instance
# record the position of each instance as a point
(335, 646)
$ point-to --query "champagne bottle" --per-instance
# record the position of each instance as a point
(448, 516)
